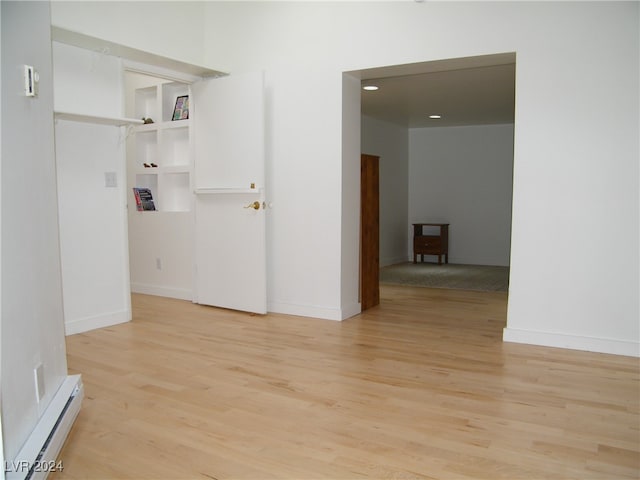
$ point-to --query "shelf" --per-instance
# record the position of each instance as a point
(96, 44)
(164, 143)
(215, 191)
(149, 127)
(176, 196)
(79, 117)
(175, 169)
(148, 171)
(170, 170)
(176, 124)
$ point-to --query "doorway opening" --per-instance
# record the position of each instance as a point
(444, 132)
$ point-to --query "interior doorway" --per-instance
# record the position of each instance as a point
(407, 96)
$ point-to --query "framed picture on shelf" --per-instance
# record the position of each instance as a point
(181, 110)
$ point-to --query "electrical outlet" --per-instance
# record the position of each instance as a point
(31, 79)
(38, 374)
(158, 264)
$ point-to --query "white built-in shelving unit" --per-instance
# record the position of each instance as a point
(162, 158)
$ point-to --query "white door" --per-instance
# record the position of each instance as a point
(228, 136)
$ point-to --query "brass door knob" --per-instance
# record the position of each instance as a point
(255, 205)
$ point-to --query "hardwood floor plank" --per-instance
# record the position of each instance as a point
(419, 387)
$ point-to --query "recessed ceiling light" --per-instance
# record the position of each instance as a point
(370, 87)
(435, 116)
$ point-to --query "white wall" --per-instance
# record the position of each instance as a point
(32, 314)
(86, 81)
(463, 176)
(304, 229)
(93, 231)
(567, 79)
(351, 173)
(457, 175)
(391, 143)
(171, 29)
(169, 238)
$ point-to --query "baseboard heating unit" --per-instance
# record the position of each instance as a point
(37, 458)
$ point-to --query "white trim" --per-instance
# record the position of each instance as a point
(157, 71)
(314, 311)
(352, 310)
(179, 293)
(573, 342)
(98, 321)
(386, 261)
(214, 191)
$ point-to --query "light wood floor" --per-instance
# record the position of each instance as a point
(420, 387)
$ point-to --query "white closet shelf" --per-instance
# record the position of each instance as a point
(148, 127)
(210, 191)
(174, 169)
(106, 47)
(80, 117)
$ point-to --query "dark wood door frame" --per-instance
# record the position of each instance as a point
(369, 231)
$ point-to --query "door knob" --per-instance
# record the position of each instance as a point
(255, 205)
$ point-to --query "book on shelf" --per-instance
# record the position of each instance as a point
(144, 199)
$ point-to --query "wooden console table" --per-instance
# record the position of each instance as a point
(431, 244)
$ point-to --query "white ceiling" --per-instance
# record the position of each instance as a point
(465, 91)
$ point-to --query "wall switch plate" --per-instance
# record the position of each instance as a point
(110, 179)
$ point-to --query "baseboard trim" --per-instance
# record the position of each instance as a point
(385, 262)
(80, 325)
(323, 313)
(352, 310)
(159, 291)
(573, 342)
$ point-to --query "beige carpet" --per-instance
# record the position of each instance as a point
(459, 277)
